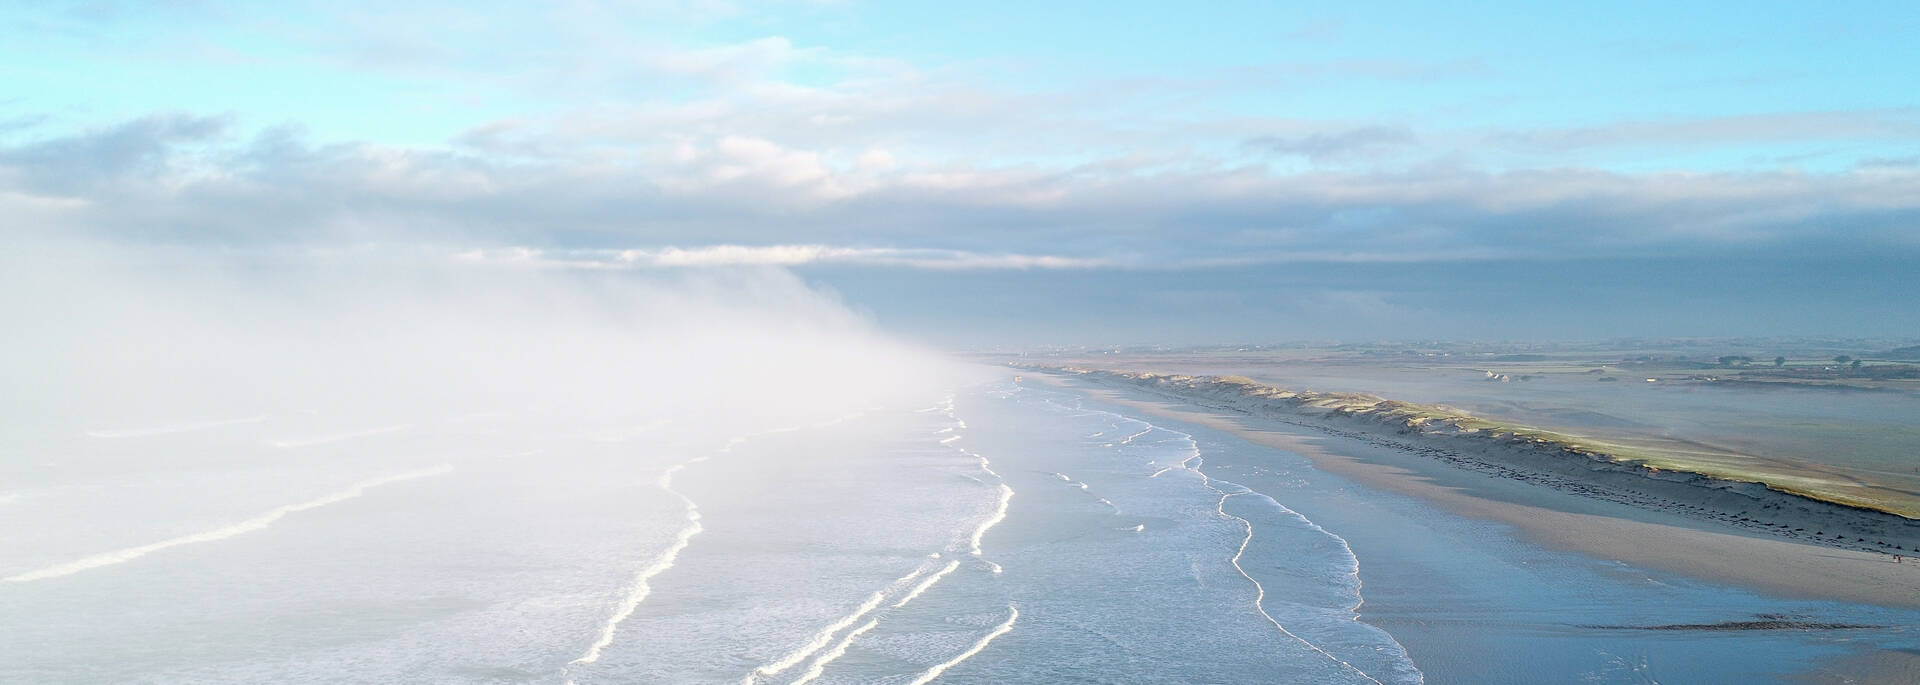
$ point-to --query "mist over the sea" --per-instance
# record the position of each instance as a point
(697, 341)
(113, 337)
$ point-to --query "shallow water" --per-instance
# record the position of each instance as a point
(1002, 533)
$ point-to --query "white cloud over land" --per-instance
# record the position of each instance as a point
(195, 181)
(769, 255)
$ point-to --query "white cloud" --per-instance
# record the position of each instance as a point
(874, 160)
(739, 62)
(741, 198)
(769, 255)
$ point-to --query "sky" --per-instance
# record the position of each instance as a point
(996, 173)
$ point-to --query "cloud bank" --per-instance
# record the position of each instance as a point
(108, 336)
(186, 180)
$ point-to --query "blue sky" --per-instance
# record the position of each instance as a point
(1092, 139)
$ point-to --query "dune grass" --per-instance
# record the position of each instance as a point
(1797, 477)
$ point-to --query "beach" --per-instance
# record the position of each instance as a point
(1444, 608)
(1681, 531)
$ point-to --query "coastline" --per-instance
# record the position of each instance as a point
(1594, 508)
(1693, 462)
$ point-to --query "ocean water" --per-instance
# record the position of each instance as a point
(995, 533)
(1006, 532)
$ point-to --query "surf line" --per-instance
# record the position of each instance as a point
(1193, 453)
(1259, 591)
(839, 649)
(999, 514)
(247, 526)
(985, 465)
(1013, 614)
(1005, 491)
(1353, 560)
(926, 584)
(1193, 462)
(819, 665)
(642, 584)
(823, 637)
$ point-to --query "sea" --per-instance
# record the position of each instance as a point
(1009, 531)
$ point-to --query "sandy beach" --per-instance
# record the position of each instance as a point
(1671, 537)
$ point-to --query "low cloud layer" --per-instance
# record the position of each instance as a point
(109, 335)
(180, 179)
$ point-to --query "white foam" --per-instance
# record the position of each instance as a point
(999, 514)
(818, 641)
(985, 465)
(223, 532)
(839, 649)
(1193, 454)
(1002, 629)
(1260, 591)
(1346, 550)
(945, 406)
(928, 583)
(643, 581)
(1193, 463)
(821, 638)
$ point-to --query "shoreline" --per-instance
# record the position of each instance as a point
(1670, 525)
(1697, 463)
